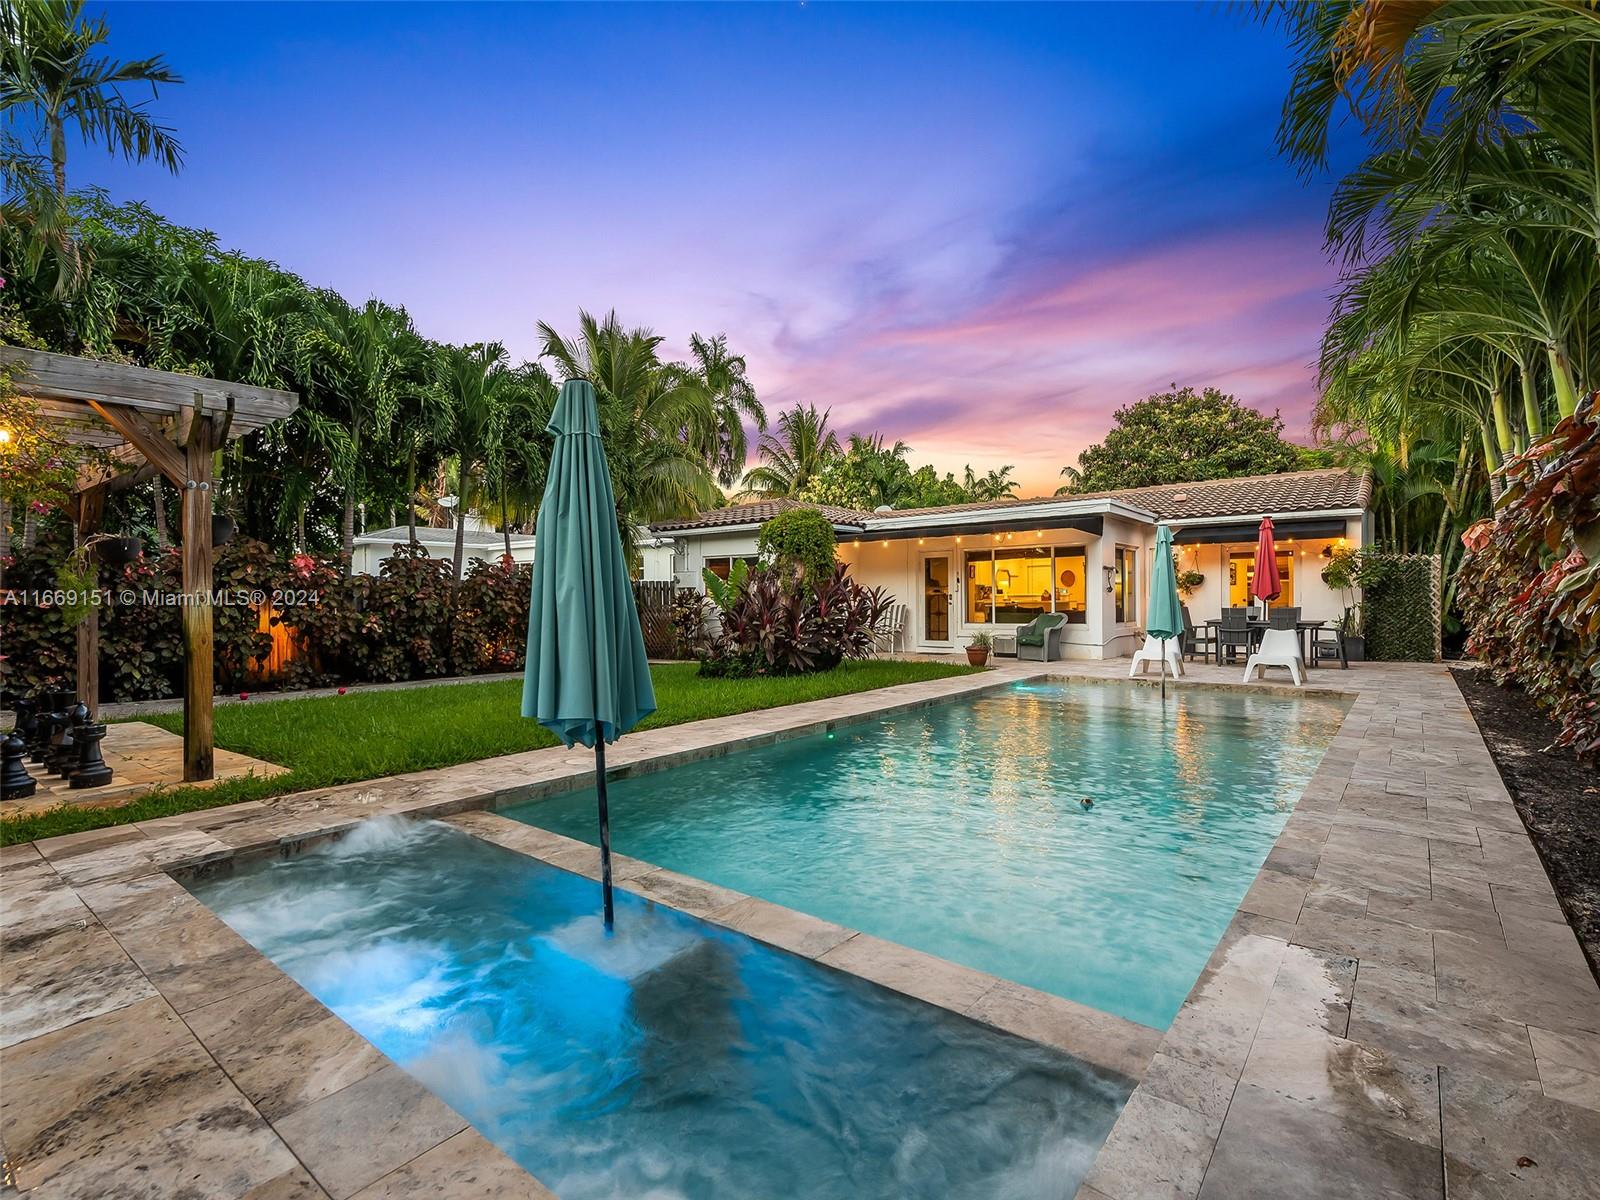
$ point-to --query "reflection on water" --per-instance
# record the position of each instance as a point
(959, 829)
(669, 1060)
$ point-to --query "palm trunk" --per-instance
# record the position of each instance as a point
(5, 528)
(300, 527)
(411, 498)
(505, 521)
(347, 535)
(1531, 416)
(1502, 421)
(1490, 464)
(30, 528)
(1561, 373)
(159, 504)
(461, 547)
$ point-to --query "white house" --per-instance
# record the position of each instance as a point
(480, 541)
(965, 568)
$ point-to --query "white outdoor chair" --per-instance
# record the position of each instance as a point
(1153, 651)
(892, 632)
(1278, 648)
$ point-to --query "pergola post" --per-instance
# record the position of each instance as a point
(91, 507)
(199, 679)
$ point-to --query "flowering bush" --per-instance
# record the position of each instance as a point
(779, 624)
(1530, 584)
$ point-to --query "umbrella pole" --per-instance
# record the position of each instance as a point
(1163, 670)
(605, 827)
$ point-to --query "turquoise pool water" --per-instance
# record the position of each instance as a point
(671, 1060)
(959, 829)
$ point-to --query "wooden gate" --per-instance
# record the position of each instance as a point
(655, 599)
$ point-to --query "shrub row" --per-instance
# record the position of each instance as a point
(407, 623)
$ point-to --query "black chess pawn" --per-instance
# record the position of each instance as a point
(58, 755)
(90, 769)
(15, 782)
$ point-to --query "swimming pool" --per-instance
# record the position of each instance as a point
(672, 1060)
(959, 829)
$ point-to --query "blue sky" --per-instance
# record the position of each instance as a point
(978, 228)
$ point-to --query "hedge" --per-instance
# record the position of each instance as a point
(1399, 605)
(406, 623)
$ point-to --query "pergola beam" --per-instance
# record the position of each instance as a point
(146, 439)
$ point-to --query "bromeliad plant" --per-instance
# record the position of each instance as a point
(1531, 581)
(779, 624)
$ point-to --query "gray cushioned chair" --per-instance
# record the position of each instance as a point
(1040, 638)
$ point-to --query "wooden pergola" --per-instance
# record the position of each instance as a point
(150, 422)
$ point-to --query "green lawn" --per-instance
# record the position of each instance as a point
(365, 735)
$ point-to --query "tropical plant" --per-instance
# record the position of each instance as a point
(663, 431)
(994, 485)
(1531, 585)
(1181, 435)
(476, 384)
(723, 592)
(793, 454)
(56, 77)
(781, 624)
(724, 377)
(801, 540)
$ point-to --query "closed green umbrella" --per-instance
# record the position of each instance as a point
(587, 678)
(1165, 616)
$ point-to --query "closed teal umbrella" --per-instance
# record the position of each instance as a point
(587, 678)
(1165, 617)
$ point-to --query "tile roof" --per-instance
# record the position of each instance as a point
(1293, 491)
(758, 511)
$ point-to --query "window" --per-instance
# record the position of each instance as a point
(721, 567)
(1013, 586)
(1123, 584)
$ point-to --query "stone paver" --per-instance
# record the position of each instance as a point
(1398, 1003)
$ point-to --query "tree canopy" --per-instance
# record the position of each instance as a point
(1180, 435)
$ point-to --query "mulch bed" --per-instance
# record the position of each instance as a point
(1558, 797)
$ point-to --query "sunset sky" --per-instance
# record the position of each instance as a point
(979, 229)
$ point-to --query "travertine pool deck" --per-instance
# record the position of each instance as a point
(1398, 1004)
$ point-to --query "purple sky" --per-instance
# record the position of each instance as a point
(978, 229)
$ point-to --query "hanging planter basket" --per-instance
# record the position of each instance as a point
(222, 529)
(118, 551)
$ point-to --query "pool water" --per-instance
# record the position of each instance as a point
(670, 1060)
(960, 829)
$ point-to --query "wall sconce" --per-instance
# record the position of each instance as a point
(1110, 576)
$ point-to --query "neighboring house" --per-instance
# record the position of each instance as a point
(479, 541)
(965, 568)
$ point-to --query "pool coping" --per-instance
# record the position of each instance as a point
(1322, 967)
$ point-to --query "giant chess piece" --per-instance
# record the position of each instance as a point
(26, 710)
(47, 713)
(15, 782)
(90, 769)
(66, 756)
(58, 755)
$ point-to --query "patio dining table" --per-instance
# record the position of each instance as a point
(1257, 626)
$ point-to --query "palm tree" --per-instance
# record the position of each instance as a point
(362, 362)
(795, 454)
(995, 485)
(54, 70)
(723, 375)
(476, 382)
(662, 429)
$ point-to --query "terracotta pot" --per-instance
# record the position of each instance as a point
(977, 656)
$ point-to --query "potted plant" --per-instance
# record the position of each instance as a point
(1189, 582)
(978, 647)
(1355, 642)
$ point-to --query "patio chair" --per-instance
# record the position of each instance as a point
(1233, 636)
(1153, 651)
(1197, 640)
(1283, 618)
(892, 631)
(1327, 642)
(1040, 638)
(1279, 648)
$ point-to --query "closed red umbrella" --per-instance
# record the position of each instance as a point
(1266, 585)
